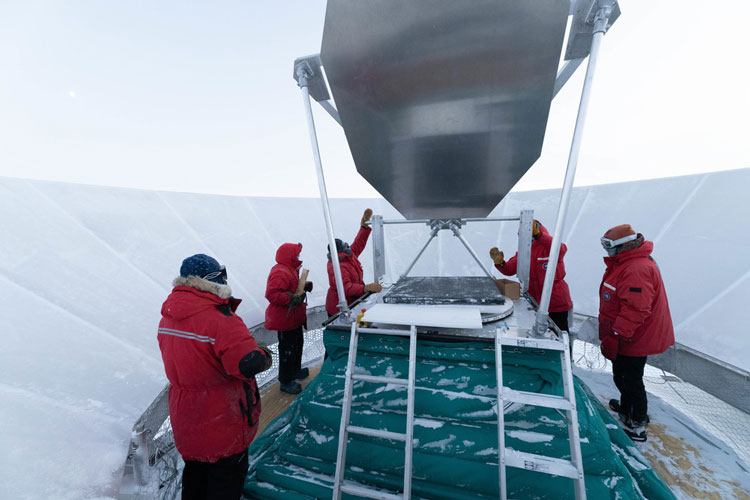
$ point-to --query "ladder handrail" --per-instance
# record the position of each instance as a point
(540, 463)
(345, 427)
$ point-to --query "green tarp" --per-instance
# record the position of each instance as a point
(455, 433)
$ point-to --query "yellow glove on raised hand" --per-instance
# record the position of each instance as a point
(366, 217)
(497, 257)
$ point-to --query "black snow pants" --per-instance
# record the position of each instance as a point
(222, 480)
(627, 372)
(290, 354)
(560, 319)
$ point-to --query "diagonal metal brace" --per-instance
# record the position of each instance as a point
(455, 226)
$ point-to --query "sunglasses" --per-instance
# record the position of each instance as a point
(608, 243)
(221, 272)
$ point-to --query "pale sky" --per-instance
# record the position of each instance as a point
(199, 96)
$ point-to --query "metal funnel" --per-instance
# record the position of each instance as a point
(444, 102)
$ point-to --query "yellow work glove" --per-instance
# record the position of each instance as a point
(366, 217)
(497, 257)
(373, 287)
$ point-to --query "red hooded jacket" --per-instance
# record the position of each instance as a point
(282, 283)
(210, 359)
(351, 274)
(540, 249)
(633, 303)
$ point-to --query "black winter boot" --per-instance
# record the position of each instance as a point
(637, 434)
(292, 387)
(614, 405)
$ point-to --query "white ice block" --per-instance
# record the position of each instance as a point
(423, 315)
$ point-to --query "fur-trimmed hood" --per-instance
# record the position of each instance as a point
(221, 291)
(193, 295)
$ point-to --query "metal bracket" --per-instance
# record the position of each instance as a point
(583, 27)
(441, 224)
(331, 111)
(308, 73)
(565, 73)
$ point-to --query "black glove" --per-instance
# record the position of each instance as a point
(308, 286)
(295, 300)
(269, 355)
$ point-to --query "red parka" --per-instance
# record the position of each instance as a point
(351, 274)
(633, 303)
(213, 407)
(540, 249)
(282, 284)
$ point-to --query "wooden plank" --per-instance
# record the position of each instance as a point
(274, 402)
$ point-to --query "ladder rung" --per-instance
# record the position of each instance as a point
(365, 431)
(363, 491)
(385, 331)
(381, 380)
(540, 463)
(536, 399)
(553, 345)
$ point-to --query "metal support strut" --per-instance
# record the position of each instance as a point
(303, 74)
(600, 26)
(456, 228)
(429, 240)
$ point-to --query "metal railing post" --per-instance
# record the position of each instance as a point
(378, 247)
(302, 80)
(542, 315)
(524, 249)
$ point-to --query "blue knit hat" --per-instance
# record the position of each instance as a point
(205, 267)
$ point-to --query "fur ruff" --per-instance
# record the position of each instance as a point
(221, 291)
(631, 244)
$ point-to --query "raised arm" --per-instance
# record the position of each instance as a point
(360, 241)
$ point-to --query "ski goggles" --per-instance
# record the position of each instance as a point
(609, 244)
(212, 276)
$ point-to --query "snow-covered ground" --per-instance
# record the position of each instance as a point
(695, 463)
(84, 271)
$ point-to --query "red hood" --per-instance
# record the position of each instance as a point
(288, 255)
(642, 251)
(185, 301)
(542, 229)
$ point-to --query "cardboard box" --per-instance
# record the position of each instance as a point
(511, 289)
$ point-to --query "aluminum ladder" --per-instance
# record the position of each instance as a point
(339, 485)
(511, 458)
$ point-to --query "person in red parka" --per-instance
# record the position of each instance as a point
(211, 361)
(287, 313)
(351, 270)
(559, 303)
(634, 321)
